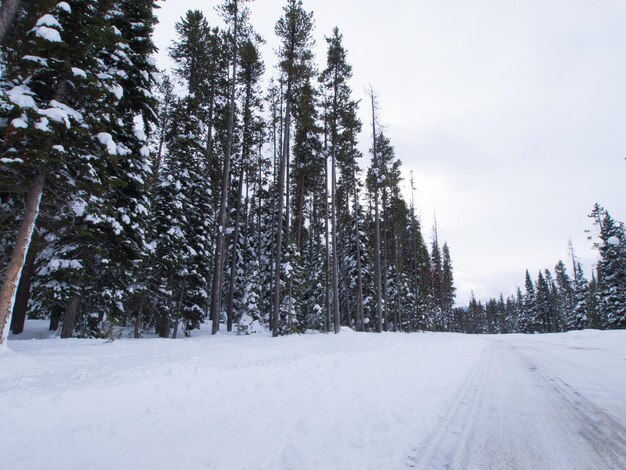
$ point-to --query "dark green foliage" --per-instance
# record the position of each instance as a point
(611, 269)
(134, 165)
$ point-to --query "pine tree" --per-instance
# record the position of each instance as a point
(543, 319)
(294, 30)
(565, 296)
(251, 71)
(448, 291)
(436, 269)
(173, 207)
(556, 321)
(580, 319)
(528, 321)
(501, 315)
(593, 305)
(184, 196)
(130, 193)
(36, 71)
(510, 315)
(491, 313)
(76, 91)
(520, 325)
(235, 16)
(343, 125)
(611, 269)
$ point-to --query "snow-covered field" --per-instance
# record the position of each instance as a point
(347, 401)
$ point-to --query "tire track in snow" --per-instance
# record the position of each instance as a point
(514, 413)
(437, 453)
(604, 434)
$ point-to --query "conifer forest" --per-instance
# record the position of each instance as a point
(216, 253)
(234, 202)
(238, 199)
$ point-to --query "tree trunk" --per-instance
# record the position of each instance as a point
(71, 312)
(398, 314)
(279, 215)
(139, 319)
(334, 236)
(216, 294)
(164, 330)
(18, 257)
(327, 240)
(379, 307)
(55, 317)
(288, 236)
(359, 282)
(164, 325)
(8, 12)
(179, 304)
(300, 213)
(233, 261)
(23, 290)
(384, 262)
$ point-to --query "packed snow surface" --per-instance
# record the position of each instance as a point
(347, 401)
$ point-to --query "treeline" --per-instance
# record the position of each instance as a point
(559, 301)
(134, 204)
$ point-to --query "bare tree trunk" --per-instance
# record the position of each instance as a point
(416, 267)
(164, 327)
(359, 282)
(71, 312)
(18, 256)
(233, 261)
(379, 306)
(8, 12)
(334, 236)
(570, 248)
(385, 264)
(139, 318)
(179, 304)
(55, 317)
(398, 314)
(288, 232)
(23, 290)
(300, 214)
(327, 235)
(218, 268)
(279, 215)
(379, 295)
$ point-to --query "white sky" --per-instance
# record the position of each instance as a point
(511, 113)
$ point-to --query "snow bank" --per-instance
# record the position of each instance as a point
(347, 401)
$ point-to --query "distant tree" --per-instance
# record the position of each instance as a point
(491, 314)
(593, 305)
(611, 269)
(543, 322)
(565, 296)
(448, 289)
(528, 321)
(580, 318)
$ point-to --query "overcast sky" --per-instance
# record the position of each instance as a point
(510, 113)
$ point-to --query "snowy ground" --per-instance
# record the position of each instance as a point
(351, 401)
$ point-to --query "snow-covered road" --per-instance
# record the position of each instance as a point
(347, 401)
(536, 402)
